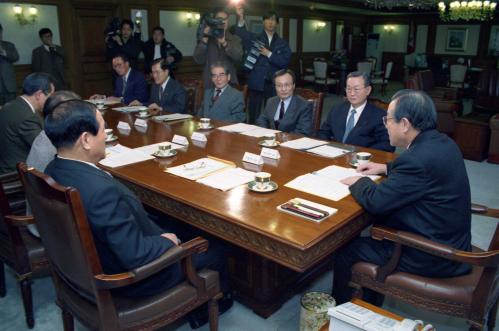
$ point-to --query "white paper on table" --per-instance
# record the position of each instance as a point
(149, 149)
(228, 179)
(320, 186)
(303, 143)
(116, 149)
(125, 158)
(329, 151)
(238, 127)
(172, 117)
(338, 173)
(199, 168)
(107, 102)
(260, 132)
(130, 109)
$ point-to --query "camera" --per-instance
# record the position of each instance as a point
(217, 26)
(253, 54)
(113, 28)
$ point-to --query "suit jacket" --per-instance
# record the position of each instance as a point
(210, 53)
(368, 132)
(7, 75)
(426, 192)
(19, 126)
(136, 88)
(297, 118)
(51, 62)
(131, 49)
(166, 48)
(229, 106)
(173, 98)
(265, 67)
(124, 235)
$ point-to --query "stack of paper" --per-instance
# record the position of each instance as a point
(339, 173)
(228, 179)
(130, 109)
(239, 127)
(125, 157)
(172, 117)
(303, 143)
(150, 149)
(329, 151)
(115, 150)
(200, 168)
(260, 132)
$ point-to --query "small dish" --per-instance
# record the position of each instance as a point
(209, 127)
(265, 144)
(270, 187)
(163, 156)
(113, 138)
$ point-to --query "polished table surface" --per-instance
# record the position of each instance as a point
(247, 219)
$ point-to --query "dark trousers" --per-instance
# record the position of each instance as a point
(256, 98)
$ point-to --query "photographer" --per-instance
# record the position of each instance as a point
(266, 54)
(217, 44)
(121, 41)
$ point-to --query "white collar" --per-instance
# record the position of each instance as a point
(127, 74)
(88, 163)
(29, 104)
(163, 86)
(358, 109)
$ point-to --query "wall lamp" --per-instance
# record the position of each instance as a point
(389, 28)
(192, 18)
(23, 20)
(320, 26)
(138, 18)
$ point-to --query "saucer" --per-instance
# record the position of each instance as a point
(265, 144)
(354, 163)
(211, 126)
(146, 116)
(270, 187)
(161, 156)
(113, 138)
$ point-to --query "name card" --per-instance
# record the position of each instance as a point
(252, 158)
(198, 136)
(123, 126)
(181, 140)
(270, 153)
(139, 122)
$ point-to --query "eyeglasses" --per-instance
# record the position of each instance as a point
(385, 119)
(286, 86)
(355, 90)
(222, 75)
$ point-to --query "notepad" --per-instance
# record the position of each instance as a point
(228, 179)
(238, 127)
(260, 132)
(303, 143)
(130, 109)
(172, 117)
(329, 151)
(125, 158)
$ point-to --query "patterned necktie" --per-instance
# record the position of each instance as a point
(124, 87)
(350, 124)
(281, 114)
(217, 95)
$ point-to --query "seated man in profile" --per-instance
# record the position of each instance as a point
(130, 84)
(222, 102)
(286, 112)
(357, 122)
(166, 93)
(426, 192)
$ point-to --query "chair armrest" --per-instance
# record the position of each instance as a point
(484, 259)
(484, 210)
(19, 221)
(171, 256)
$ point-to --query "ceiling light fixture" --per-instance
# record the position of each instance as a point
(467, 10)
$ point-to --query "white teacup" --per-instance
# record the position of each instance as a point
(363, 157)
(164, 149)
(109, 134)
(204, 122)
(262, 179)
(269, 139)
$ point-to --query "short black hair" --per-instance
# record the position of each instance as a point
(221, 64)
(363, 74)
(44, 31)
(57, 98)
(417, 107)
(37, 81)
(270, 14)
(220, 10)
(283, 72)
(123, 56)
(126, 21)
(68, 120)
(158, 28)
(162, 63)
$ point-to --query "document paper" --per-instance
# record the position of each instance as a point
(260, 132)
(238, 127)
(172, 117)
(228, 179)
(303, 143)
(125, 157)
(329, 151)
(200, 168)
(130, 109)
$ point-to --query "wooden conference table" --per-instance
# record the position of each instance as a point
(272, 253)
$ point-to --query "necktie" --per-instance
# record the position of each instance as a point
(217, 95)
(350, 124)
(161, 90)
(124, 87)
(281, 114)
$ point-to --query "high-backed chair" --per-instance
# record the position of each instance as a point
(472, 297)
(19, 249)
(306, 74)
(424, 79)
(321, 76)
(373, 61)
(244, 90)
(84, 291)
(487, 99)
(379, 103)
(382, 77)
(317, 100)
(194, 94)
(365, 66)
(458, 76)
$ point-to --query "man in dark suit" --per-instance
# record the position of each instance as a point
(125, 42)
(8, 55)
(166, 93)
(130, 85)
(222, 102)
(287, 112)
(20, 120)
(357, 122)
(274, 55)
(158, 47)
(49, 58)
(426, 192)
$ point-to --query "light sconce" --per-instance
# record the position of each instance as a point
(138, 18)
(389, 28)
(320, 26)
(21, 19)
(192, 18)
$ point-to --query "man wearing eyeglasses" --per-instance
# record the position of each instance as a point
(222, 102)
(357, 122)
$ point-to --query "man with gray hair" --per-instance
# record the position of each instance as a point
(222, 101)
(8, 55)
(426, 192)
(357, 122)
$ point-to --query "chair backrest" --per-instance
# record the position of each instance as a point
(489, 83)
(458, 73)
(388, 70)
(317, 100)
(364, 67)
(244, 89)
(373, 61)
(194, 94)
(424, 79)
(320, 69)
(379, 103)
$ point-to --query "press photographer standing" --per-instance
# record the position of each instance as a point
(267, 53)
(217, 44)
(123, 42)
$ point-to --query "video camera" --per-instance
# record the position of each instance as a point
(113, 28)
(253, 54)
(217, 26)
